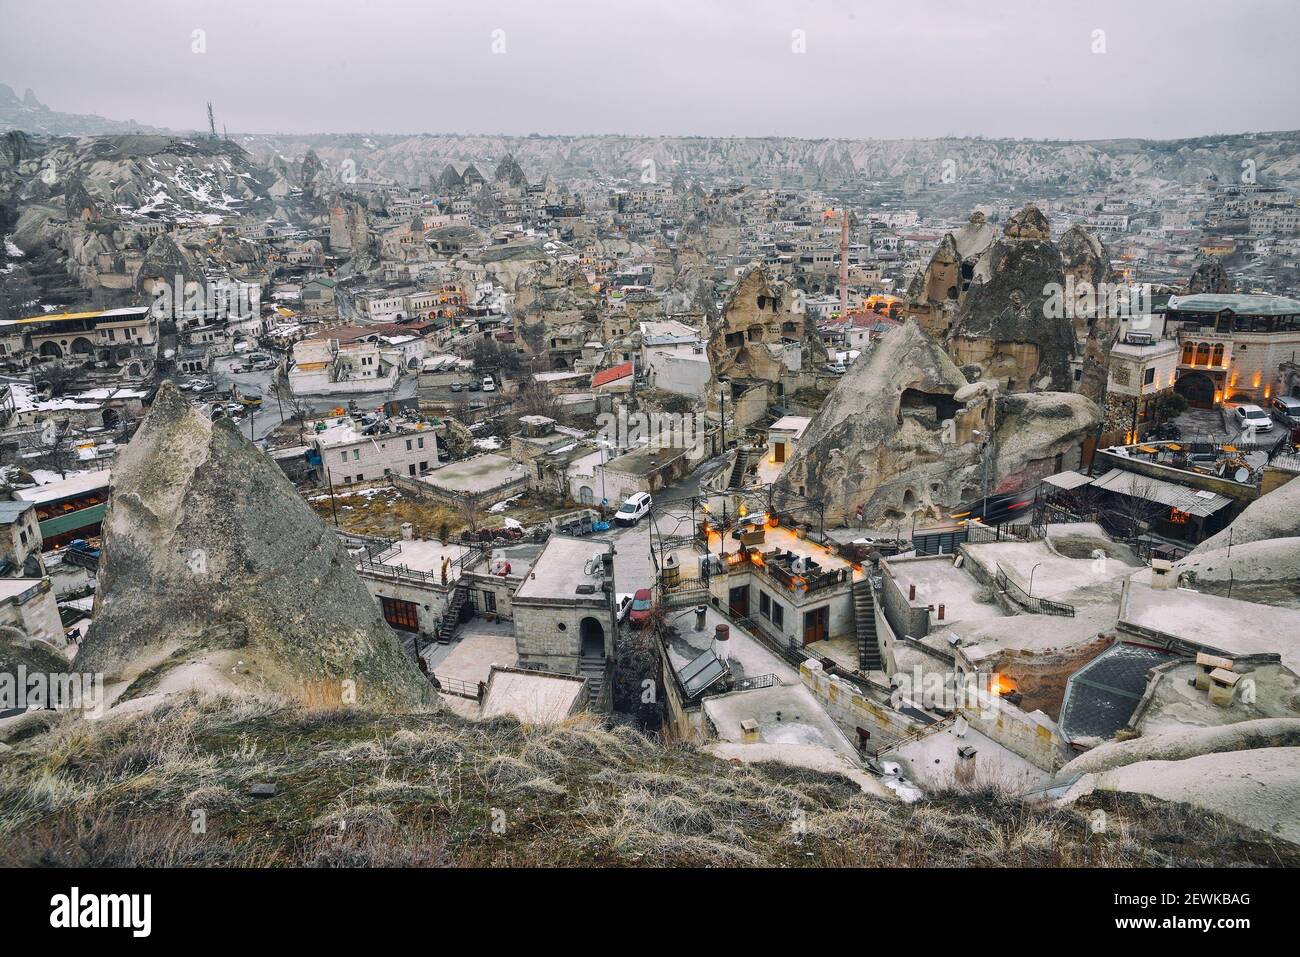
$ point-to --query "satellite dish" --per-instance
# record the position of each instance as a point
(1241, 475)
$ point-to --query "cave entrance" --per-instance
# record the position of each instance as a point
(930, 406)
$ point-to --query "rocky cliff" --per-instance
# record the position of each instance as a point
(217, 574)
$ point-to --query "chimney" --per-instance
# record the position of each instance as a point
(911, 592)
(965, 770)
(721, 638)
(1223, 687)
(941, 611)
(1162, 563)
(1206, 665)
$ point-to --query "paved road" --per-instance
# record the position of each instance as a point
(633, 565)
(272, 412)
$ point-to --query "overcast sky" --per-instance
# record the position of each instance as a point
(872, 68)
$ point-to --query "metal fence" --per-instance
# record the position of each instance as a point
(1037, 606)
(688, 590)
(459, 687)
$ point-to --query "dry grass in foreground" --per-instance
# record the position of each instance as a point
(358, 789)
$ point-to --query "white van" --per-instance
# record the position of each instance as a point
(488, 384)
(632, 511)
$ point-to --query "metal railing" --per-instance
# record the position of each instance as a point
(459, 687)
(984, 534)
(688, 590)
(758, 681)
(1038, 606)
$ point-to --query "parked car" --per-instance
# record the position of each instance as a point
(634, 509)
(488, 384)
(835, 368)
(1286, 408)
(624, 604)
(456, 387)
(264, 365)
(642, 604)
(1252, 416)
(474, 385)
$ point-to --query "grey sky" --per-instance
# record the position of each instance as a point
(694, 67)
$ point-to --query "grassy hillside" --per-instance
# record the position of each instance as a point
(356, 788)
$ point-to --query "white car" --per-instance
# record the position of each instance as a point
(1253, 417)
(488, 384)
(634, 509)
(624, 605)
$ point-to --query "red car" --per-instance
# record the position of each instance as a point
(641, 605)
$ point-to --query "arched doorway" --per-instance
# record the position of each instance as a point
(51, 349)
(585, 495)
(81, 346)
(111, 418)
(1197, 388)
(591, 634)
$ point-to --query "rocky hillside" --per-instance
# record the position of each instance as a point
(138, 175)
(217, 575)
(1131, 162)
(28, 113)
(351, 788)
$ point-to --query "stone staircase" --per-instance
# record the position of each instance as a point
(593, 669)
(451, 618)
(744, 458)
(864, 617)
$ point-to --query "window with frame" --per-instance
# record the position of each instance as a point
(778, 615)
(764, 604)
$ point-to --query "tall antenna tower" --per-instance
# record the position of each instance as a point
(212, 123)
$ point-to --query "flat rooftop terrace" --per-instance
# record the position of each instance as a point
(785, 714)
(1076, 581)
(938, 582)
(1232, 627)
(784, 540)
(561, 568)
(424, 555)
(747, 656)
(475, 476)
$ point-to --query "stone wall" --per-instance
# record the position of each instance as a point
(548, 636)
(908, 618)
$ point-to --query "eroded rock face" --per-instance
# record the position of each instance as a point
(216, 572)
(905, 434)
(1208, 277)
(1086, 261)
(763, 333)
(1005, 323)
(893, 438)
(1029, 223)
(1275, 515)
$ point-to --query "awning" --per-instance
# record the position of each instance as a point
(1199, 502)
(1067, 480)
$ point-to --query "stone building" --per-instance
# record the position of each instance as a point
(564, 611)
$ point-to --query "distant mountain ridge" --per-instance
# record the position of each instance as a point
(30, 115)
(1272, 157)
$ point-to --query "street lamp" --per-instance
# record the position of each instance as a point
(984, 476)
(722, 410)
(1031, 578)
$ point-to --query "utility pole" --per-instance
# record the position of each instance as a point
(330, 480)
(722, 414)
